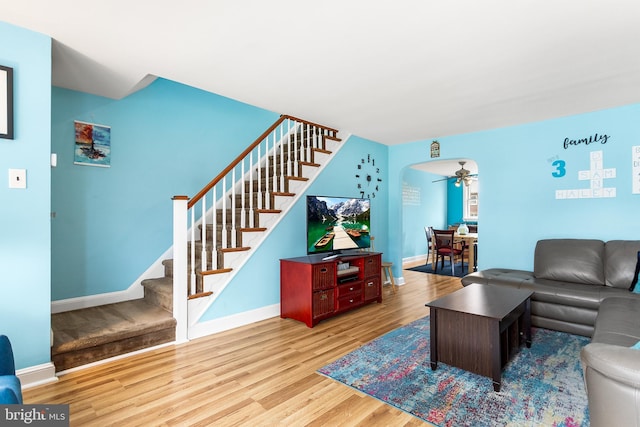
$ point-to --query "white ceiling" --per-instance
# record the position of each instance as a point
(392, 72)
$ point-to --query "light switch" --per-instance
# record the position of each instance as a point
(17, 178)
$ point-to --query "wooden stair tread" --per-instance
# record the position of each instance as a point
(283, 193)
(241, 249)
(252, 230)
(200, 295)
(315, 165)
(217, 271)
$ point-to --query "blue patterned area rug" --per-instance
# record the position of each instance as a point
(541, 386)
(460, 270)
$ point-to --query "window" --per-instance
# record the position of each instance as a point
(470, 200)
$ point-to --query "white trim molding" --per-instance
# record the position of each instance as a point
(37, 375)
(222, 324)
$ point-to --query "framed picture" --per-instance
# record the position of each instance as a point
(6, 102)
(435, 149)
(93, 144)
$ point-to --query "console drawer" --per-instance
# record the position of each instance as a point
(323, 275)
(372, 265)
(322, 303)
(348, 301)
(354, 287)
(372, 287)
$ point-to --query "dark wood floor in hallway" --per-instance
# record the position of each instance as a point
(262, 374)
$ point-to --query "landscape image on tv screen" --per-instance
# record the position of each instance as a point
(337, 223)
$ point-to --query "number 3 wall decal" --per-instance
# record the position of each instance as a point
(560, 168)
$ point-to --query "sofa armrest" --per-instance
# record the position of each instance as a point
(612, 382)
(621, 364)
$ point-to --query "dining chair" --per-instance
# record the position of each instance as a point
(428, 231)
(446, 247)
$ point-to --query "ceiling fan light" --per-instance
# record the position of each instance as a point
(457, 184)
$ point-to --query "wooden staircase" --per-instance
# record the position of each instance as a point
(91, 334)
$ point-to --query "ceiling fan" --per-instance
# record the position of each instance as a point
(461, 175)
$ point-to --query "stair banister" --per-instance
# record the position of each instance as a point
(294, 143)
(242, 155)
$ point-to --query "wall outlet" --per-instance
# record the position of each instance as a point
(17, 178)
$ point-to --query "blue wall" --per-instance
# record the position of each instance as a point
(168, 139)
(519, 204)
(25, 288)
(430, 210)
(455, 209)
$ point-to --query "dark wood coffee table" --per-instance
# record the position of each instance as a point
(476, 328)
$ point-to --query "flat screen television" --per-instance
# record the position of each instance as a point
(336, 224)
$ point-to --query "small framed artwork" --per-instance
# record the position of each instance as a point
(6, 102)
(93, 144)
(435, 149)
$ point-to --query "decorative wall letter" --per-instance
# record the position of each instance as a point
(596, 176)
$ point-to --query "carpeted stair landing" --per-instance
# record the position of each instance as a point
(96, 333)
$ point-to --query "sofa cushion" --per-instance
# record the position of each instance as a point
(620, 258)
(563, 293)
(497, 276)
(570, 260)
(618, 322)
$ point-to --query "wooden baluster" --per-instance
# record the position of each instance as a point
(271, 180)
(192, 282)
(251, 191)
(203, 224)
(233, 208)
(214, 235)
(259, 191)
(281, 182)
(224, 212)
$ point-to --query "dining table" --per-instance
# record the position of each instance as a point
(469, 239)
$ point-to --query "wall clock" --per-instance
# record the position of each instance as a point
(368, 177)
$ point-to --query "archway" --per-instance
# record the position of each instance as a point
(430, 197)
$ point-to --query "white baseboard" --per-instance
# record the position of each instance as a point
(415, 258)
(37, 375)
(222, 324)
(60, 306)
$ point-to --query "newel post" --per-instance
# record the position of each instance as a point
(180, 308)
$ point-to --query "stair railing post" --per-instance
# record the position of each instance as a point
(180, 235)
(251, 191)
(282, 165)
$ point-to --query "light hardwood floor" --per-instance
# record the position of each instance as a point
(262, 374)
